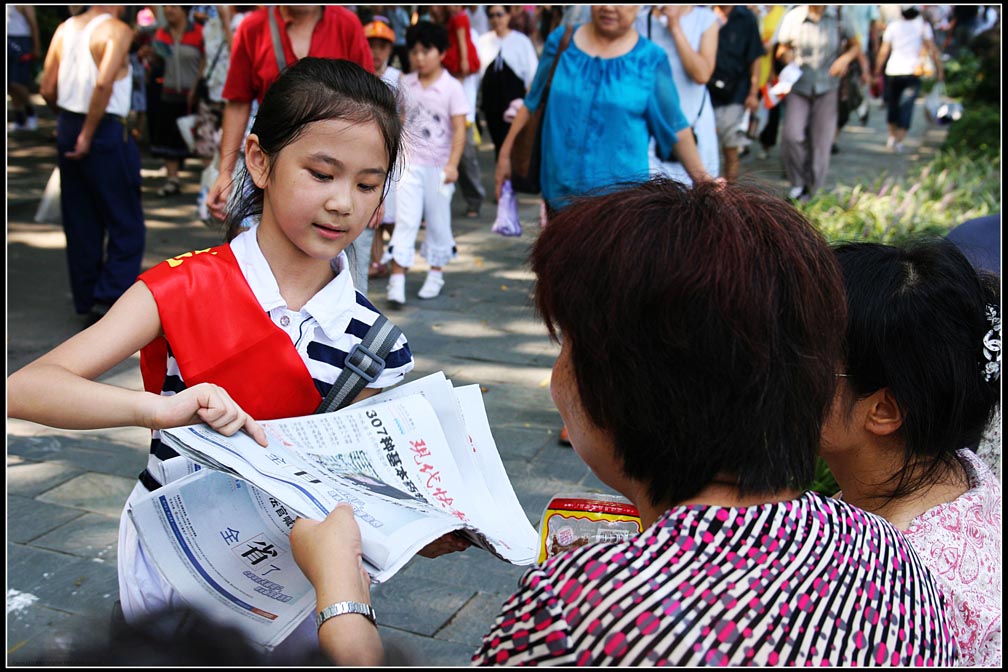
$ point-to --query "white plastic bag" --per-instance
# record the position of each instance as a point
(185, 126)
(49, 207)
(940, 110)
(207, 178)
(507, 222)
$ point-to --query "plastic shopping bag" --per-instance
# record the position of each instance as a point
(207, 179)
(940, 110)
(185, 126)
(49, 206)
(507, 222)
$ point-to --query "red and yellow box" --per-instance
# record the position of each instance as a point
(570, 521)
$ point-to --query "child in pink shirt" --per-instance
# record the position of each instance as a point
(435, 110)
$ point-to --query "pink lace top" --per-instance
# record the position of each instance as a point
(960, 542)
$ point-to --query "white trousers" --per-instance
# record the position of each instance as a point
(422, 195)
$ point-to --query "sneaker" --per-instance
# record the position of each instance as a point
(891, 142)
(170, 188)
(431, 286)
(32, 123)
(396, 291)
(898, 148)
(761, 153)
(794, 193)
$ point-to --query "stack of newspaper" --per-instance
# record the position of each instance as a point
(416, 462)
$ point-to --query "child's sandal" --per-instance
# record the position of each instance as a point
(378, 270)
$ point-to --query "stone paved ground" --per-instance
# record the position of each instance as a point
(65, 489)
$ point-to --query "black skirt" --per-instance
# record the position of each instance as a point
(166, 142)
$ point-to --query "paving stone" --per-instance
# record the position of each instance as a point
(40, 635)
(408, 648)
(91, 537)
(30, 478)
(28, 519)
(98, 493)
(520, 443)
(475, 619)
(396, 603)
(62, 581)
(473, 569)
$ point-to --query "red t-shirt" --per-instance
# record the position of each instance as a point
(338, 34)
(452, 60)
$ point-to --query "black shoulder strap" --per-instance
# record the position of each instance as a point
(213, 64)
(281, 58)
(364, 363)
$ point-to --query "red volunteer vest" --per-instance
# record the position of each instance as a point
(219, 333)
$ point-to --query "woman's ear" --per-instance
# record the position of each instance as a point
(883, 416)
(256, 161)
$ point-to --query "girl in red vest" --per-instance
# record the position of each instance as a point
(255, 329)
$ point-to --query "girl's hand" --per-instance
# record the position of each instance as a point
(207, 403)
(446, 543)
(450, 174)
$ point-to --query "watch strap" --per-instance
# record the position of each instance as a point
(346, 607)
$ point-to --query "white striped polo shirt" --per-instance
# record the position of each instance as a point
(323, 332)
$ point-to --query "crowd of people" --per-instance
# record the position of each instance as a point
(329, 129)
(198, 77)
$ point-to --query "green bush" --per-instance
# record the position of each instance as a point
(977, 133)
(931, 200)
(960, 76)
(986, 85)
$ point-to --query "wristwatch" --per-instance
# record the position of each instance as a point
(346, 607)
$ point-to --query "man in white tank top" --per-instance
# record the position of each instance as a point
(87, 81)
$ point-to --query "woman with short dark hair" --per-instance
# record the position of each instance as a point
(921, 383)
(700, 330)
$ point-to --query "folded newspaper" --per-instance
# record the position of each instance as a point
(416, 462)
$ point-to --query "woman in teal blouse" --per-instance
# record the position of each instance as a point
(611, 92)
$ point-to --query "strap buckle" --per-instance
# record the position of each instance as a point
(362, 352)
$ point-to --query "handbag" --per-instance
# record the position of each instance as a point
(849, 96)
(526, 151)
(924, 67)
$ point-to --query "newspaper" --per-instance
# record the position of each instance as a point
(415, 462)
